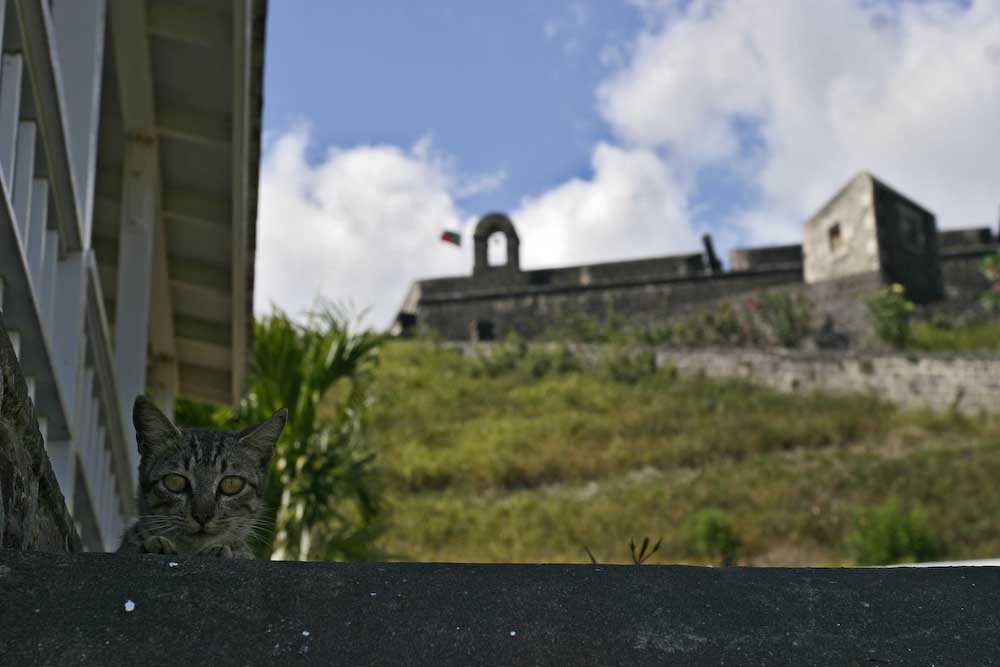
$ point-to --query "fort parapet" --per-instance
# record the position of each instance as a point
(867, 236)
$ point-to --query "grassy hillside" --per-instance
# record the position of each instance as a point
(527, 458)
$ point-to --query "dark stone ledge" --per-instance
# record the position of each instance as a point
(71, 608)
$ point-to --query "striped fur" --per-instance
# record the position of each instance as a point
(200, 518)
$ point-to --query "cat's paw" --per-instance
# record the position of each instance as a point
(157, 544)
(217, 551)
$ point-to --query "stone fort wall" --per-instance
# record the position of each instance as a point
(866, 237)
(456, 313)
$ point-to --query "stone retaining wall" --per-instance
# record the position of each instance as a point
(33, 512)
(969, 384)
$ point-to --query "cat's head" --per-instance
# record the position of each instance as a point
(202, 486)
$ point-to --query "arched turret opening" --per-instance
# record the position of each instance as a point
(496, 223)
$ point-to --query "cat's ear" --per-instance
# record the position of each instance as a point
(152, 428)
(263, 437)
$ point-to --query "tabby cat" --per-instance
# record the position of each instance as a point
(200, 490)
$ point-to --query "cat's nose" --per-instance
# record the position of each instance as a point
(202, 513)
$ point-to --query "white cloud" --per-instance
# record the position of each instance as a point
(910, 91)
(633, 206)
(356, 228)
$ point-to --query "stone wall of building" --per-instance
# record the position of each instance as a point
(531, 311)
(841, 239)
(908, 245)
(766, 257)
(33, 512)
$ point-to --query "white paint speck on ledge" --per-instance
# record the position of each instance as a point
(129, 605)
(171, 564)
(305, 633)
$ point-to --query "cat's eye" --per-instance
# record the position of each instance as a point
(231, 485)
(174, 483)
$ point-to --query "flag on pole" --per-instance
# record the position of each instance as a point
(451, 237)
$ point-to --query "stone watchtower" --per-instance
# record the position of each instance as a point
(869, 228)
(496, 223)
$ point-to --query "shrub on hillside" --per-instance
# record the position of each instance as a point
(503, 357)
(709, 534)
(516, 355)
(891, 313)
(786, 315)
(888, 534)
(991, 271)
(626, 366)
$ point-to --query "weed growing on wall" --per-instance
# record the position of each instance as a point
(768, 320)
(891, 314)
(888, 534)
(991, 271)
(787, 316)
(710, 534)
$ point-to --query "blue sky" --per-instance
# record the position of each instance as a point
(608, 129)
(503, 86)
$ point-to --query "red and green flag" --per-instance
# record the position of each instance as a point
(451, 237)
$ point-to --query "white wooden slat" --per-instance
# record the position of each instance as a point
(91, 465)
(79, 33)
(108, 510)
(103, 474)
(38, 236)
(11, 71)
(83, 434)
(42, 67)
(61, 454)
(49, 266)
(3, 16)
(68, 324)
(93, 447)
(116, 516)
(24, 176)
(97, 475)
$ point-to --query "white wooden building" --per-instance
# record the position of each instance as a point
(129, 151)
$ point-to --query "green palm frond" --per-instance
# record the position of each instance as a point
(323, 480)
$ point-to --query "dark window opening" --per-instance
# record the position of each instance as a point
(540, 277)
(835, 237)
(484, 330)
(407, 324)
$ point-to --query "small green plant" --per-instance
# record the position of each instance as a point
(639, 555)
(627, 366)
(710, 534)
(991, 271)
(887, 534)
(503, 357)
(787, 316)
(643, 553)
(541, 361)
(891, 313)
